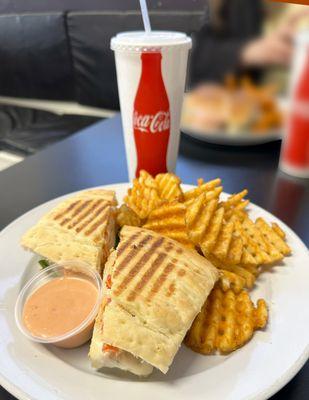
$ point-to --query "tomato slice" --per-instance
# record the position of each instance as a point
(108, 281)
(108, 347)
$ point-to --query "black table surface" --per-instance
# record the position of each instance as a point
(95, 156)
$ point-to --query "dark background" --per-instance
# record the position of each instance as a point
(19, 6)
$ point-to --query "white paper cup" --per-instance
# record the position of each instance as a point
(151, 73)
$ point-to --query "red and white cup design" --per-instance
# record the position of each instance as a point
(151, 72)
(151, 117)
(294, 159)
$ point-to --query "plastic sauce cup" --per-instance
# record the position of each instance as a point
(81, 333)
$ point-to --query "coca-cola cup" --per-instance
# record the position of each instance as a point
(294, 158)
(151, 73)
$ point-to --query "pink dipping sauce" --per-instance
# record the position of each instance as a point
(58, 307)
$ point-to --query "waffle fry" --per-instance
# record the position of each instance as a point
(126, 216)
(254, 249)
(235, 199)
(214, 228)
(266, 251)
(212, 188)
(226, 240)
(231, 281)
(227, 321)
(234, 252)
(276, 228)
(272, 237)
(239, 210)
(210, 195)
(169, 220)
(208, 229)
(236, 204)
(264, 243)
(144, 195)
(169, 186)
(246, 272)
(199, 216)
(223, 244)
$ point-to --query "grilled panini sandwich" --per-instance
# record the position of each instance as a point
(154, 288)
(81, 227)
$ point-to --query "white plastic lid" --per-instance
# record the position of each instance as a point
(139, 41)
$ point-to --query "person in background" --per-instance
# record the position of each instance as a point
(252, 38)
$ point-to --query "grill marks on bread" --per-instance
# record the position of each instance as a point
(161, 279)
(147, 276)
(84, 216)
(142, 256)
(139, 264)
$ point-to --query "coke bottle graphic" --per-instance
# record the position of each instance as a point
(295, 152)
(151, 116)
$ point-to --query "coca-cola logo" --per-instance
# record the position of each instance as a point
(158, 122)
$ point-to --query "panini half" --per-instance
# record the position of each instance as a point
(154, 288)
(81, 227)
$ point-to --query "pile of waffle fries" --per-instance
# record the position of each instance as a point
(224, 233)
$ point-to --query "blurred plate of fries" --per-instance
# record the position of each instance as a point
(251, 336)
(237, 113)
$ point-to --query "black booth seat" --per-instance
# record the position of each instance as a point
(35, 57)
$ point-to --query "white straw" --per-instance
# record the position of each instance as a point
(145, 15)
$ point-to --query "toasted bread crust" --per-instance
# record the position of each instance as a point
(81, 227)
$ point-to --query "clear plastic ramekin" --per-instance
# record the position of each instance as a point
(71, 268)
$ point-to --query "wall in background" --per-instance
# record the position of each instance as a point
(24, 6)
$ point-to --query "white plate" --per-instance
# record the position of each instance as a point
(222, 138)
(32, 371)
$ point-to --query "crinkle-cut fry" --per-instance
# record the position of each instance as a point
(235, 250)
(268, 251)
(126, 216)
(198, 217)
(261, 314)
(235, 199)
(262, 244)
(272, 237)
(238, 211)
(254, 252)
(169, 220)
(226, 322)
(247, 272)
(169, 186)
(254, 269)
(147, 179)
(143, 197)
(213, 194)
(231, 281)
(222, 245)
(243, 204)
(278, 230)
(203, 187)
(210, 195)
(210, 238)
(249, 277)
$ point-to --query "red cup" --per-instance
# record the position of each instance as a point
(294, 159)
